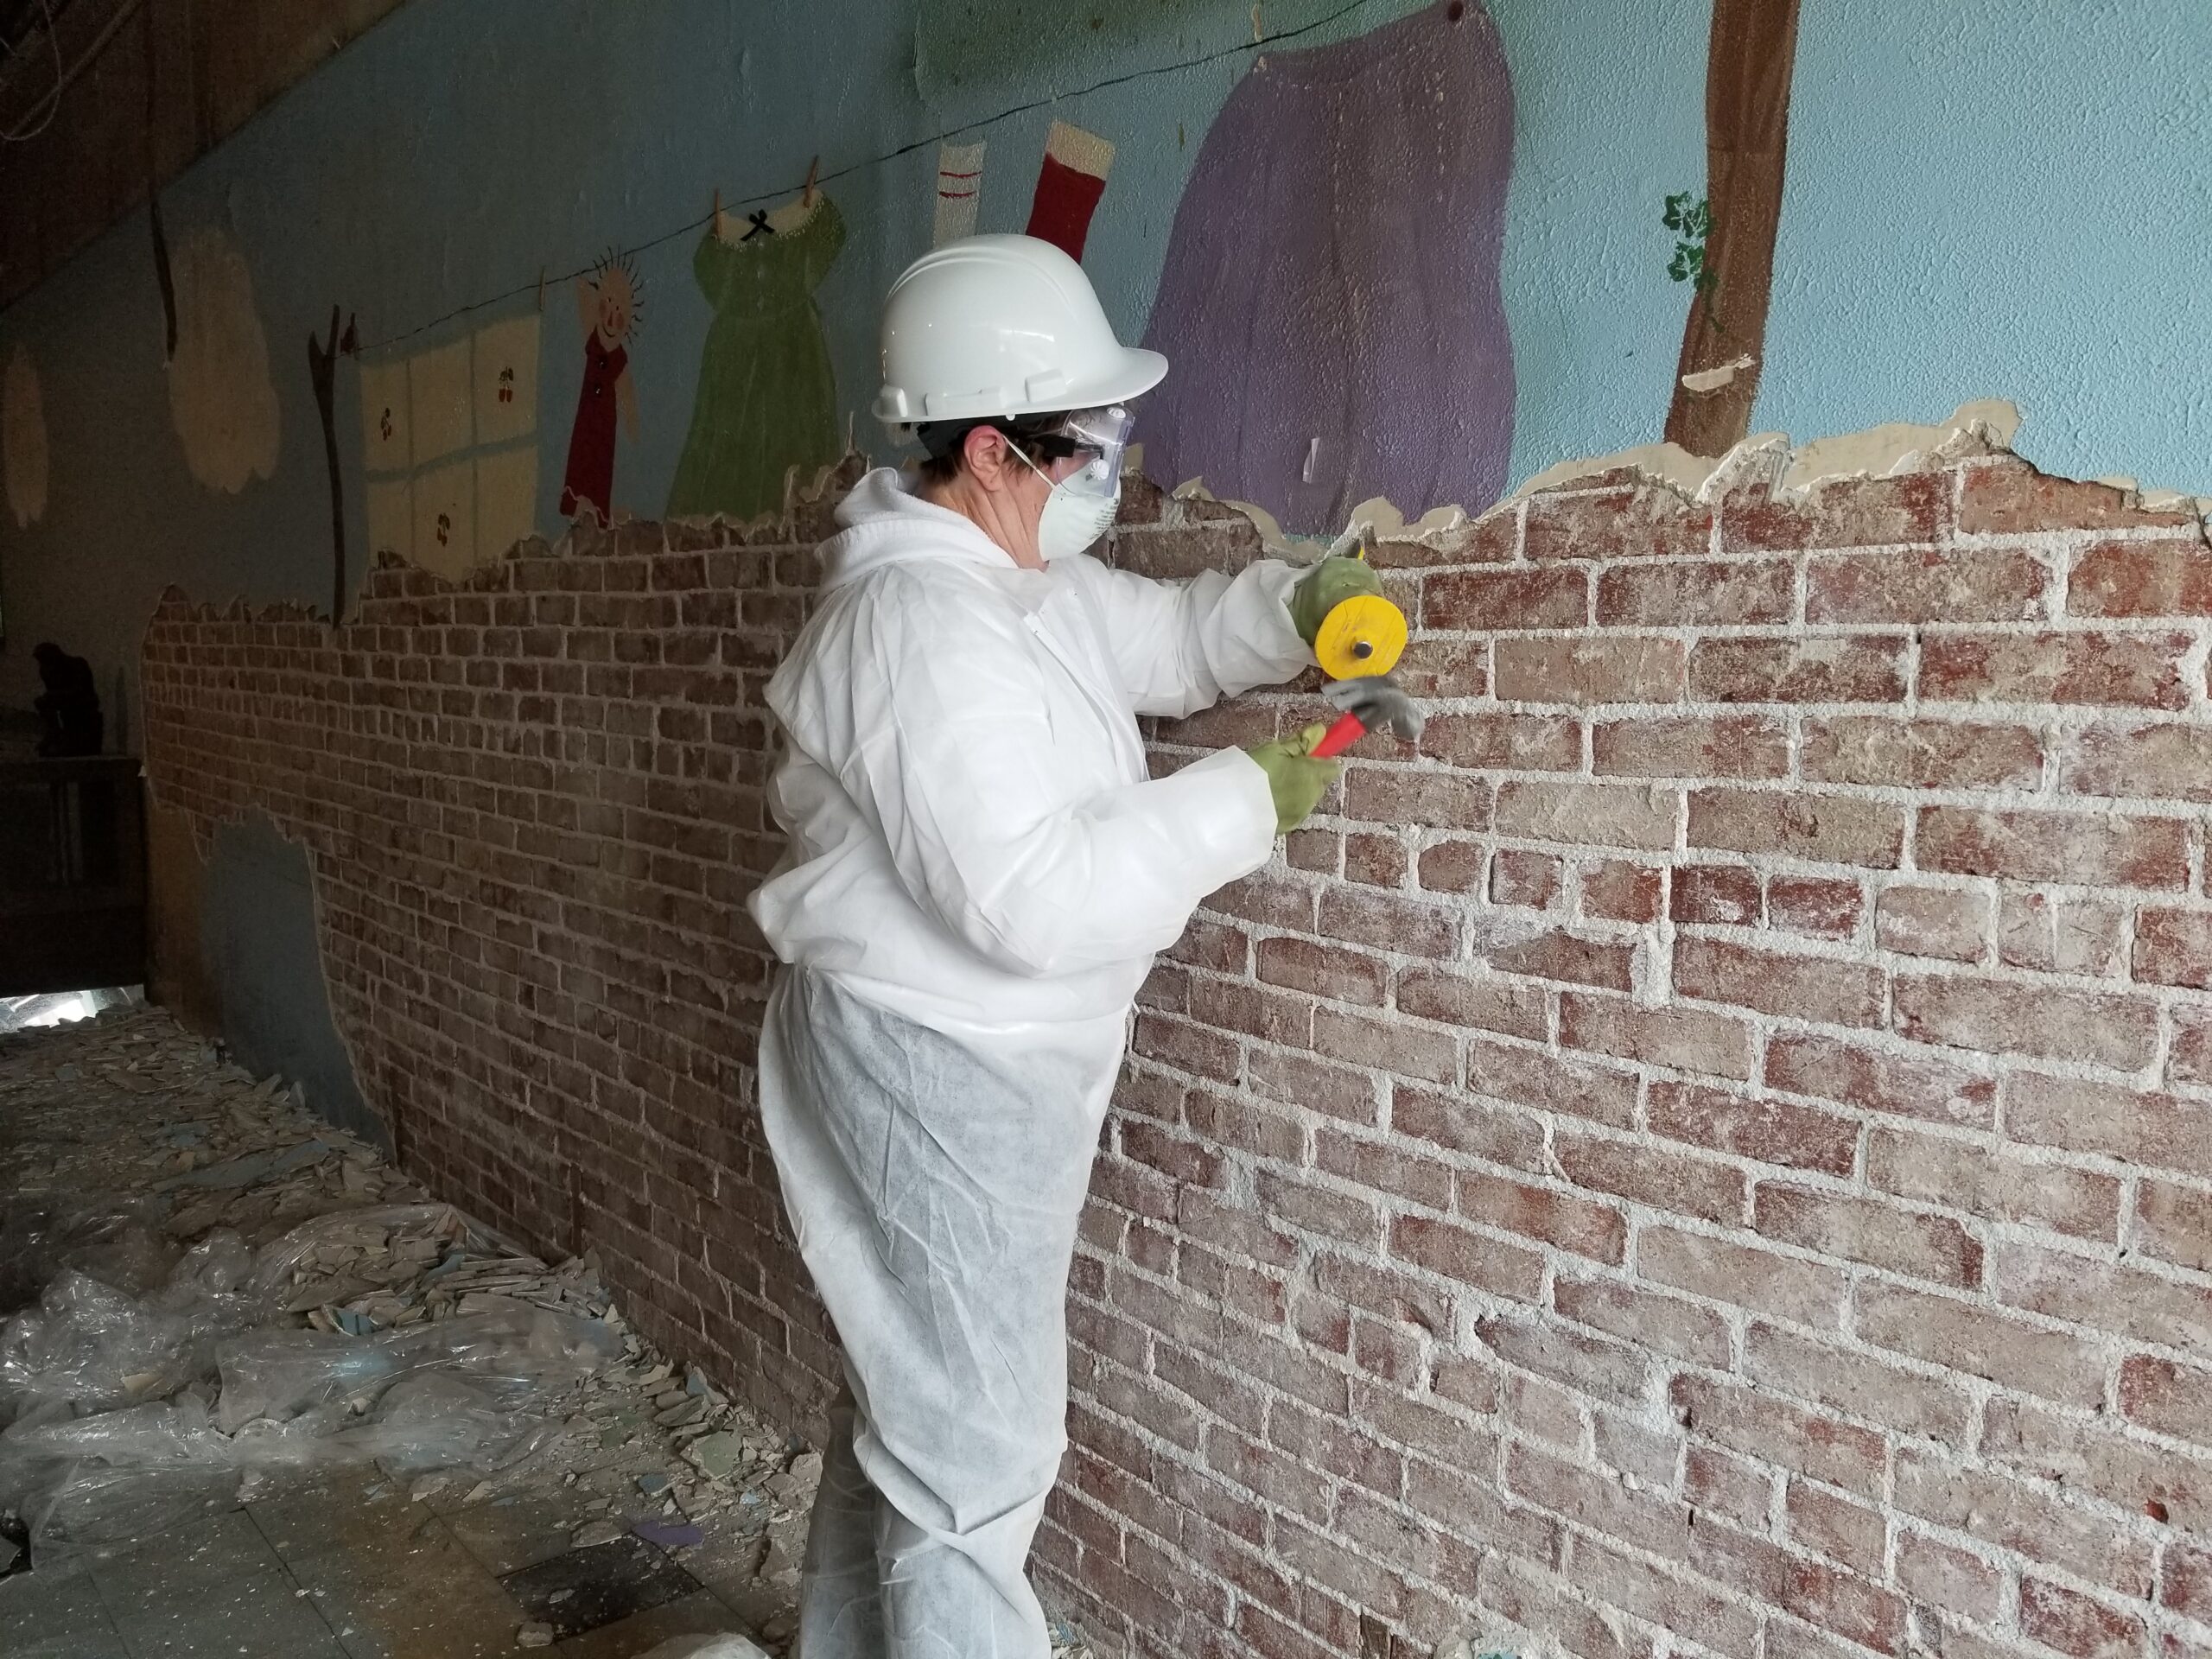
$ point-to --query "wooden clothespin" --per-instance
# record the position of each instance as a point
(813, 172)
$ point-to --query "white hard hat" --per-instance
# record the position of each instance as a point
(1001, 325)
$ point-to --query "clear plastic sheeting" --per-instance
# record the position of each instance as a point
(95, 1346)
(119, 1242)
(521, 1350)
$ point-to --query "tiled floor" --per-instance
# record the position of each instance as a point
(346, 1568)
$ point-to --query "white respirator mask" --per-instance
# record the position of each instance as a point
(1081, 507)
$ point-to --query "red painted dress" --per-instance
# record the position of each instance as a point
(589, 481)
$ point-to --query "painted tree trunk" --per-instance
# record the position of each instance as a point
(1752, 57)
(1330, 306)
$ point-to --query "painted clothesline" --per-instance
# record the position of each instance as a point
(538, 284)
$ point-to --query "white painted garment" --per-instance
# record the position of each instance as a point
(974, 842)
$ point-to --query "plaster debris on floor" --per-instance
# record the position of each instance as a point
(263, 1395)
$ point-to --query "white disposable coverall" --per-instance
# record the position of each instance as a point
(980, 872)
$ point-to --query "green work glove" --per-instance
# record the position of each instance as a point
(1327, 586)
(1296, 779)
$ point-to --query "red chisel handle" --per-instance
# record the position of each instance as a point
(1347, 731)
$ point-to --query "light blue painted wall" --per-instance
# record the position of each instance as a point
(1994, 198)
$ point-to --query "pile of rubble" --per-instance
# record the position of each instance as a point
(207, 1289)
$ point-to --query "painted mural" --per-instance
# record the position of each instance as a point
(221, 398)
(1331, 308)
(607, 306)
(766, 404)
(1422, 248)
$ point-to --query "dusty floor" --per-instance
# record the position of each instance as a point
(195, 1466)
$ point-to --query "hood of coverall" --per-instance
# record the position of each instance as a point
(883, 522)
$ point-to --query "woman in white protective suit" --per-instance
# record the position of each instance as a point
(979, 873)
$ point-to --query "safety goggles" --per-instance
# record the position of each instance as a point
(1098, 439)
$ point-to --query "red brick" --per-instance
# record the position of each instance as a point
(1585, 1363)
(2059, 933)
(1774, 1431)
(2004, 1016)
(1820, 906)
(1637, 521)
(1491, 738)
(1557, 955)
(1454, 1252)
(1826, 668)
(1952, 1580)
(1726, 893)
(1603, 815)
(2108, 1121)
(1576, 1225)
(1452, 867)
(1831, 1525)
(2073, 1624)
(1405, 925)
(1270, 901)
(1856, 1384)
(1255, 1010)
(2104, 1296)
(2172, 1399)
(1344, 1095)
(1945, 585)
(1616, 890)
(1496, 601)
(1320, 850)
(1920, 753)
(1663, 1181)
(1713, 1619)
(2140, 671)
(1721, 1483)
(2173, 947)
(1879, 1234)
(1500, 1134)
(2010, 1514)
(1783, 1286)
(1684, 594)
(1968, 1337)
(1991, 1182)
(1831, 828)
(1664, 1324)
(2190, 1060)
(1826, 990)
(1187, 1047)
(1399, 796)
(1377, 860)
(1590, 1499)
(1726, 745)
(1490, 1004)
(1323, 970)
(2007, 496)
(1615, 668)
(1952, 923)
(1685, 1039)
(2165, 761)
(1385, 1044)
(2160, 578)
(2174, 1224)
(2188, 1581)
(1444, 665)
(2025, 1439)
(1551, 1082)
(2092, 850)
(1760, 1128)
(1526, 878)
(1842, 512)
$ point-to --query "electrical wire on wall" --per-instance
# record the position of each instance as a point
(18, 135)
(1259, 43)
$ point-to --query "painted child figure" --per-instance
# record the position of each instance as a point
(606, 308)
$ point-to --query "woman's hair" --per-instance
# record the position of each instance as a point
(944, 443)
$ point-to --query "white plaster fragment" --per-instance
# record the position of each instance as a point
(1713, 379)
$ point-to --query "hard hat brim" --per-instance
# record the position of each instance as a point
(1134, 372)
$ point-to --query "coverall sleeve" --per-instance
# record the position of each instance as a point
(1182, 645)
(996, 827)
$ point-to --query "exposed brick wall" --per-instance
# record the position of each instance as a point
(1713, 1156)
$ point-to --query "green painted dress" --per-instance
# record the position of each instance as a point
(767, 398)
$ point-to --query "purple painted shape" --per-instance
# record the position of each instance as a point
(1333, 274)
(669, 1534)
